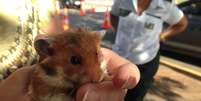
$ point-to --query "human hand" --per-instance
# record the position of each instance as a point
(114, 90)
(125, 75)
(163, 37)
(15, 87)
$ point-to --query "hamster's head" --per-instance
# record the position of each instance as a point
(72, 55)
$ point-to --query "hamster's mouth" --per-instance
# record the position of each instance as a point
(71, 91)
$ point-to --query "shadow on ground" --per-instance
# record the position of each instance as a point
(164, 88)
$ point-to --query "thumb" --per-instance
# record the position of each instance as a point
(126, 77)
(121, 78)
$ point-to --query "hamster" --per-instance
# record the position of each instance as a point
(67, 61)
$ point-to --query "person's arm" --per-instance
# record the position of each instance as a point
(114, 14)
(125, 73)
(177, 28)
(176, 19)
(114, 21)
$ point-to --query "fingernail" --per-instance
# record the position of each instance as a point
(85, 96)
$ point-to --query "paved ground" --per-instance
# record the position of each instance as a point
(171, 85)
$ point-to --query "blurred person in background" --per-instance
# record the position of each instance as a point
(138, 25)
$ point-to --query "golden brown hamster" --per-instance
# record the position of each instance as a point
(67, 61)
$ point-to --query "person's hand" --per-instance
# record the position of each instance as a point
(125, 75)
(113, 90)
(15, 87)
(163, 37)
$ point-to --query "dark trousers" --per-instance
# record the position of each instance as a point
(147, 72)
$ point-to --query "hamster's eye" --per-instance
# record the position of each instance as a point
(76, 60)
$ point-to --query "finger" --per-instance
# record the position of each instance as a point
(120, 80)
(134, 77)
(16, 84)
(18, 81)
(126, 77)
(104, 91)
(85, 97)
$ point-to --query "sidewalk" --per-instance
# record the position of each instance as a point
(171, 85)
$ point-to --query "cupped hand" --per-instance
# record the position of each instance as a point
(114, 90)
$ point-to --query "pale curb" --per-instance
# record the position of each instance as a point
(179, 65)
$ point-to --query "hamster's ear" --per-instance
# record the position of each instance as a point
(43, 47)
